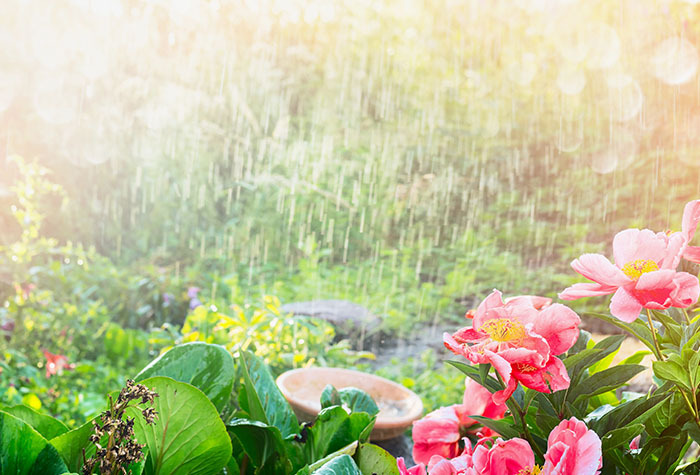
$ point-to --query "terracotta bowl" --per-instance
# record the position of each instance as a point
(398, 407)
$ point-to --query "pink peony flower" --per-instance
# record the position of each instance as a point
(436, 434)
(56, 363)
(691, 218)
(415, 470)
(519, 341)
(505, 457)
(439, 432)
(461, 465)
(573, 449)
(644, 274)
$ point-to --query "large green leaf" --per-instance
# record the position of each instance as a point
(24, 451)
(672, 371)
(205, 366)
(334, 429)
(188, 437)
(621, 436)
(71, 444)
(263, 399)
(604, 381)
(343, 465)
(47, 426)
(355, 399)
(262, 443)
(373, 459)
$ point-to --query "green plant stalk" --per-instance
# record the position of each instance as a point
(656, 349)
(523, 422)
(685, 314)
(659, 356)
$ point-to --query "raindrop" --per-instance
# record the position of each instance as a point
(624, 96)
(674, 61)
(57, 100)
(571, 79)
(603, 46)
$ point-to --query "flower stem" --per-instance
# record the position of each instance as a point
(521, 415)
(685, 314)
(659, 355)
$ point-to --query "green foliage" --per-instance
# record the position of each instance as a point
(24, 450)
(354, 399)
(187, 437)
(271, 440)
(207, 367)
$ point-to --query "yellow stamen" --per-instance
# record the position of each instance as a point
(525, 368)
(635, 269)
(504, 329)
(536, 470)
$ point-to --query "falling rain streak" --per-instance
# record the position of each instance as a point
(399, 139)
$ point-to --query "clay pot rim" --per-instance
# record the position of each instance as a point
(382, 422)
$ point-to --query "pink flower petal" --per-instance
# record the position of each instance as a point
(581, 290)
(599, 269)
(687, 290)
(415, 470)
(624, 306)
(493, 301)
(692, 253)
(558, 325)
(691, 218)
(533, 300)
(573, 449)
(632, 244)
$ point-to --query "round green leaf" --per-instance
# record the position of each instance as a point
(205, 366)
(374, 459)
(23, 450)
(188, 437)
(47, 426)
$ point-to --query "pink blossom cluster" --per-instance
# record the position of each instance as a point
(521, 339)
(440, 432)
(644, 273)
(572, 449)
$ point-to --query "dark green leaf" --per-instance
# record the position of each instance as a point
(205, 366)
(671, 371)
(358, 401)
(636, 410)
(24, 451)
(604, 381)
(70, 446)
(334, 429)
(188, 437)
(260, 441)
(673, 329)
(473, 372)
(265, 401)
(330, 397)
(47, 426)
(505, 426)
(621, 436)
